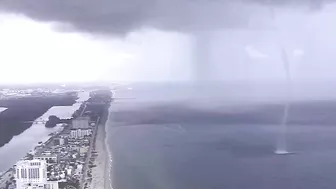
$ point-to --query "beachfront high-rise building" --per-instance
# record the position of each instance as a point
(80, 133)
(31, 171)
(32, 174)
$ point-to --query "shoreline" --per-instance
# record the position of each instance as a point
(58, 108)
(101, 173)
(98, 143)
(108, 168)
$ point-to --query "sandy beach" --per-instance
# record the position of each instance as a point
(101, 173)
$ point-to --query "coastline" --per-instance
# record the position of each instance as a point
(108, 168)
(26, 141)
(95, 171)
(101, 173)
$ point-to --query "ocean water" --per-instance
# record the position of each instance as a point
(170, 141)
(19, 145)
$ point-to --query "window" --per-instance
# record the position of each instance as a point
(29, 173)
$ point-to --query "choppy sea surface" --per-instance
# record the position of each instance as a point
(173, 138)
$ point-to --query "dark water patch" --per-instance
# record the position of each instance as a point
(214, 157)
(301, 113)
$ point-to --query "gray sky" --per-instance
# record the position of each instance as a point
(156, 39)
(122, 16)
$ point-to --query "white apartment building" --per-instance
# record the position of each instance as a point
(32, 174)
(80, 133)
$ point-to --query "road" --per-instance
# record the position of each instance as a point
(89, 153)
(81, 114)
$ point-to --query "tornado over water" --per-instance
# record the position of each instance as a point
(281, 147)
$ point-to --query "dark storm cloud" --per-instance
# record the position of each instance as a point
(121, 16)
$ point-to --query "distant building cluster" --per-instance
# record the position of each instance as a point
(81, 123)
(59, 160)
(19, 93)
(65, 159)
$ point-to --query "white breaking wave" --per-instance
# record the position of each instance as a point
(2, 109)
